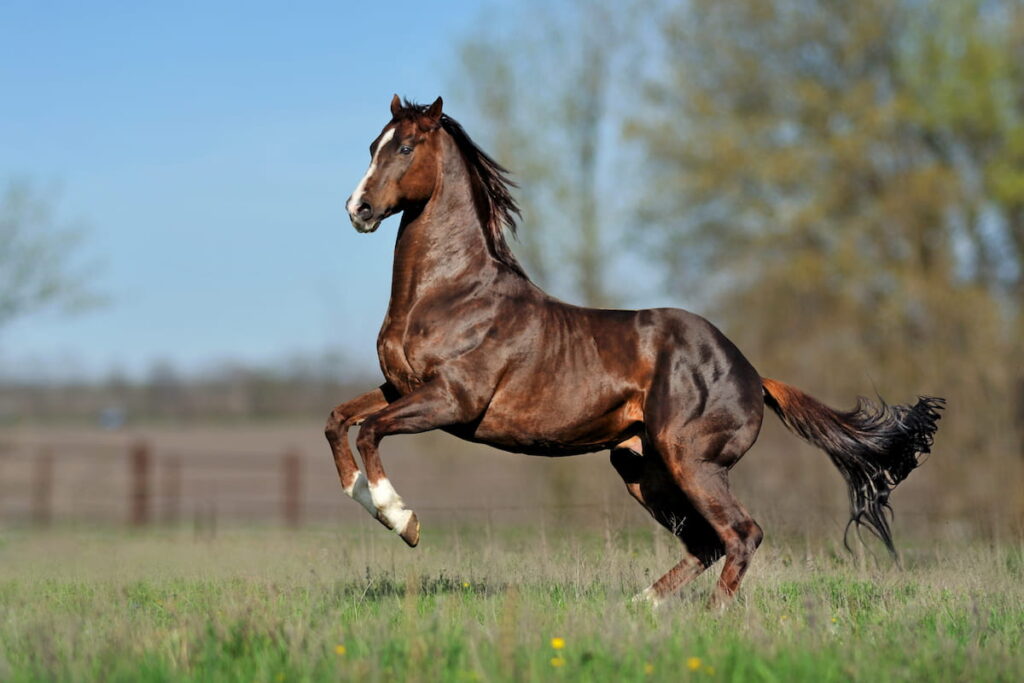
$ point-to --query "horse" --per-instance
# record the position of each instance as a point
(470, 345)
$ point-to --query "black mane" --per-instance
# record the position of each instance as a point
(491, 185)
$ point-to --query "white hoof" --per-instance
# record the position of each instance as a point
(390, 508)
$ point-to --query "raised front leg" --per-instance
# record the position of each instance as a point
(434, 405)
(340, 420)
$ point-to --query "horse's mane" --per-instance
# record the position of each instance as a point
(490, 182)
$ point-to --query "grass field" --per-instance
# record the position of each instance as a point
(492, 605)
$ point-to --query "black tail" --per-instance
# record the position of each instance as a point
(874, 446)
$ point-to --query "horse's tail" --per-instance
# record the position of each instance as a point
(874, 446)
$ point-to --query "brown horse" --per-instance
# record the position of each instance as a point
(471, 346)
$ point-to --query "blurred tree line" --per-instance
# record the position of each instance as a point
(838, 185)
(304, 387)
(41, 267)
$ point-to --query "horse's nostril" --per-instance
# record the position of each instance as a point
(365, 211)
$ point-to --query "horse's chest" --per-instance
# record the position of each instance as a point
(405, 353)
(414, 347)
(393, 355)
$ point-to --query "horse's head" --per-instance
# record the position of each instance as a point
(403, 166)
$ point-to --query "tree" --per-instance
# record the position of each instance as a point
(37, 257)
(966, 75)
(555, 128)
(838, 184)
(789, 165)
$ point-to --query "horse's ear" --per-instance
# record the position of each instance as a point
(434, 110)
(396, 105)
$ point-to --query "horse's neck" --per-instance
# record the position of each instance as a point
(442, 247)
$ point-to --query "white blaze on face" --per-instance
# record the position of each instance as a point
(359, 491)
(389, 504)
(357, 196)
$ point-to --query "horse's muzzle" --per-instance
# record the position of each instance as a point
(362, 217)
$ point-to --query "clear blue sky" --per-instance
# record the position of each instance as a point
(209, 148)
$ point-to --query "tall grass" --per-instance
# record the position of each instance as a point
(485, 604)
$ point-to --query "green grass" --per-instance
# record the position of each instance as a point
(485, 604)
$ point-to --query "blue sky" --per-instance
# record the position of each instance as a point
(209, 151)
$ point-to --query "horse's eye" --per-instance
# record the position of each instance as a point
(405, 149)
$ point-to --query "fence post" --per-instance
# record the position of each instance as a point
(291, 473)
(42, 488)
(138, 471)
(170, 492)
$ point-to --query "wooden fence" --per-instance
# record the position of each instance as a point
(137, 484)
(152, 488)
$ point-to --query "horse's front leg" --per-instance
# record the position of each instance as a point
(341, 419)
(436, 404)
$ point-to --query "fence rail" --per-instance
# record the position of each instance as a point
(138, 485)
(155, 486)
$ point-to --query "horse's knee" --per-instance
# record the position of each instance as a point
(335, 422)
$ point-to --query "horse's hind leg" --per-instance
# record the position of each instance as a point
(699, 459)
(650, 483)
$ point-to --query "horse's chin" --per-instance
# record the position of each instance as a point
(365, 227)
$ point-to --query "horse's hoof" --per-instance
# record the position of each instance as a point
(720, 602)
(411, 533)
(647, 596)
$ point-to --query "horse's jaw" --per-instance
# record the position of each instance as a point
(365, 227)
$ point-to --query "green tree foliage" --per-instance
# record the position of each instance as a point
(37, 257)
(842, 186)
(554, 128)
(838, 185)
(964, 72)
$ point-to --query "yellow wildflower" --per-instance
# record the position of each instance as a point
(340, 649)
(558, 643)
(557, 662)
(648, 668)
(465, 584)
(693, 663)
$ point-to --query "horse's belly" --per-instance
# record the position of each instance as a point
(554, 425)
